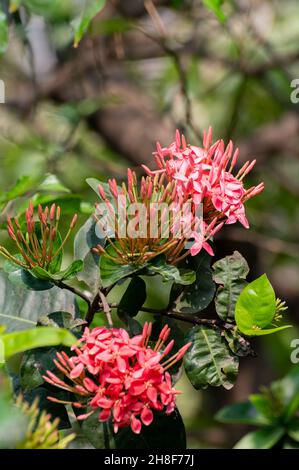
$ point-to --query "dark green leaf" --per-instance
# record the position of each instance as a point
(165, 432)
(209, 361)
(99, 434)
(230, 272)
(133, 298)
(198, 296)
(238, 345)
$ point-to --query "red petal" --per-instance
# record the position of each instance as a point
(76, 371)
(135, 425)
(147, 416)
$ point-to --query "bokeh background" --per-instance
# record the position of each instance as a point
(144, 69)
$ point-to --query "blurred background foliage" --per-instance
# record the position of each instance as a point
(143, 69)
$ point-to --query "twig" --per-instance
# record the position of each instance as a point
(72, 289)
(193, 319)
(106, 308)
(93, 308)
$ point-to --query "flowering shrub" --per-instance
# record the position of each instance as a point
(120, 374)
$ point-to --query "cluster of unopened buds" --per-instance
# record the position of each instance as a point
(37, 239)
(184, 173)
(121, 378)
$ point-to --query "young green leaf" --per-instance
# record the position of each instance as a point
(21, 341)
(81, 23)
(215, 7)
(256, 307)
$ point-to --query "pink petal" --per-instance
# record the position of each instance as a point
(147, 416)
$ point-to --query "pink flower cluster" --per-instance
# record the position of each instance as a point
(205, 174)
(122, 377)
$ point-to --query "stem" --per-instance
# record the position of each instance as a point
(72, 289)
(186, 318)
(93, 308)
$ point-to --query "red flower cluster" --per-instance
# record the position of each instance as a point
(122, 377)
(205, 174)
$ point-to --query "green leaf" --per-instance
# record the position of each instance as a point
(81, 23)
(88, 237)
(68, 273)
(133, 298)
(158, 265)
(51, 184)
(288, 391)
(198, 296)
(165, 432)
(21, 341)
(99, 434)
(3, 32)
(262, 439)
(230, 272)
(241, 413)
(20, 308)
(23, 185)
(23, 278)
(215, 7)
(255, 308)
(209, 361)
(112, 272)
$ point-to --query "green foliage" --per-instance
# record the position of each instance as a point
(20, 341)
(133, 298)
(230, 272)
(165, 432)
(3, 32)
(216, 7)
(86, 238)
(256, 308)
(274, 410)
(81, 23)
(199, 294)
(21, 308)
(209, 361)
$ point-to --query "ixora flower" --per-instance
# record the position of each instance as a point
(119, 377)
(205, 175)
(199, 178)
(37, 240)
